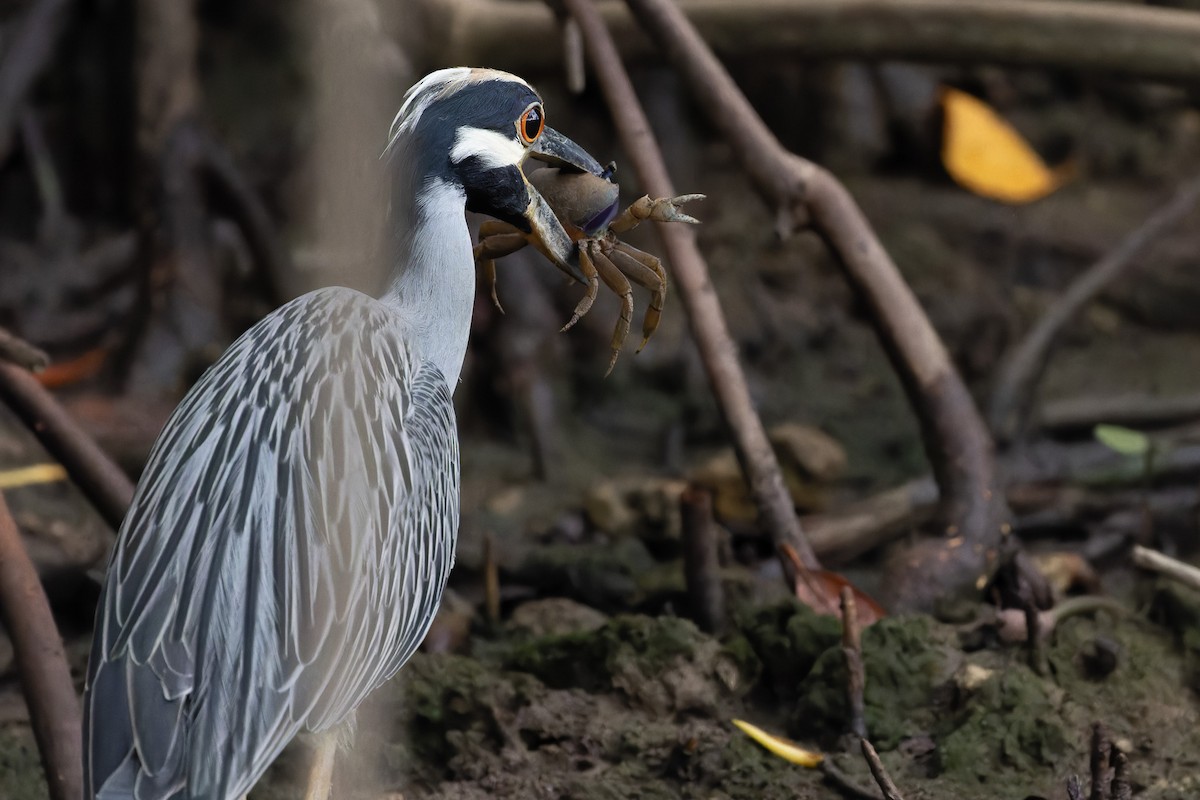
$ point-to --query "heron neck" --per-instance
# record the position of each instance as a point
(433, 288)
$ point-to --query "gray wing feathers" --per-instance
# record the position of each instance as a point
(283, 556)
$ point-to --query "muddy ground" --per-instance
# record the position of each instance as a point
(593, 683)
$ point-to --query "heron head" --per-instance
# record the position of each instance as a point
(475, 128)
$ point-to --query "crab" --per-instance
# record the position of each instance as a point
(586, 205)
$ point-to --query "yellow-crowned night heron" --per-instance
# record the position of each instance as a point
(296, 522)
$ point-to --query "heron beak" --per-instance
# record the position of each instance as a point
(549, 236)
(559, 151)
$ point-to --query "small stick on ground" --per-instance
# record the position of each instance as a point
(1022, 370)
(852, 650)
(17, 351)
(847, 785)
(1121, 789)
(1109, 768)
(491, 578)
(104, 483)
(701, 565)
(1100, 763)
(1034, 637)
(705, 316)
(890, 792)
(1172, 568)
(41, 664)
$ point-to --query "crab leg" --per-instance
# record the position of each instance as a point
(616, 281)
(646, 271)
(662, 209)
(496, 245)
(589, 271)
(490, 227)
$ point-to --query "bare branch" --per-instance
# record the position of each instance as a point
(956, 440)
(41, 664)
(28, 49)
(705, 316)
(842, 534)
(1023, 368)
(890, 792)
(1165, 565)
(1134, 410)
(1106, 38)
(17, 351)
(105, 484)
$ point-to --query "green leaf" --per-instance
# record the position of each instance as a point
(1125, 441)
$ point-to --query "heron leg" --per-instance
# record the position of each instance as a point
(320, 773)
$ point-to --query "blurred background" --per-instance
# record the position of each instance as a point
(171, 172)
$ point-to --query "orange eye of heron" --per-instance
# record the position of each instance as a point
(531, 123)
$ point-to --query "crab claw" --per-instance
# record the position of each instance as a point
(666, 209)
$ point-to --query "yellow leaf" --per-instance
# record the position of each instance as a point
(27, 476)
(786, 750)
(984, 154)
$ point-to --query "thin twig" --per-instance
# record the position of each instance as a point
(16, 350)
(879, 772)
(29, 47)
(1022, 370)
(705, 316)
(41, 664)
(856, 680)
(701, 566)
(1165, 565)
(104, 483)
(956, 439)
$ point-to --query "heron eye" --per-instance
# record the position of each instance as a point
(531, 123)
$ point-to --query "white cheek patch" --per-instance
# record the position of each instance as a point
(491, 148)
